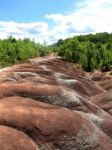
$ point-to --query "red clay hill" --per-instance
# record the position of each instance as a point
(49, 104)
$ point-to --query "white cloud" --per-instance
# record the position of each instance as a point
(35, 30)
(89, 17)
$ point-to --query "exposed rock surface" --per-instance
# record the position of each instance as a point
(48, 104)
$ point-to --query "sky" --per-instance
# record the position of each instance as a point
(51, 20)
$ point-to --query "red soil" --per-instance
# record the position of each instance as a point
(48, 104)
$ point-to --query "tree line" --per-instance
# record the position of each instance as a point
(14, 51)
(93, 51)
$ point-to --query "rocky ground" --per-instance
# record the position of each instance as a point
(49, 104)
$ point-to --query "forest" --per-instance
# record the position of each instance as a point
(14, 51)
(92, 51)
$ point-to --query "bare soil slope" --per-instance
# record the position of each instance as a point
(49, 104)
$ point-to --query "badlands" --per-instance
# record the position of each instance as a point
(49, 104)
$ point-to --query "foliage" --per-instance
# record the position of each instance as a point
(91, 51)
(16, 51)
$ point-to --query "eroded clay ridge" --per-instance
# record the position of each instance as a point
(49, 104)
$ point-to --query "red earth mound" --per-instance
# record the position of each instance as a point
(49, 104)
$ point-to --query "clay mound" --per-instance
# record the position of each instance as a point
(49, 104)
(49, 126)
(98, 76)
(12, 139)
(47, 80)
(52, 72)
(107, 85)
(104, 101)
(103, 79)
